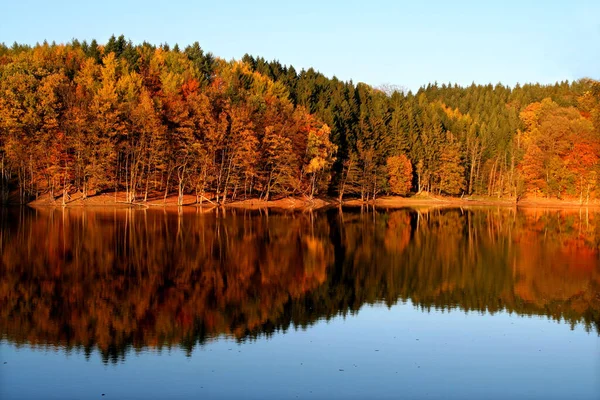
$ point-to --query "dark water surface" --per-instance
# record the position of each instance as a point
(389, 304)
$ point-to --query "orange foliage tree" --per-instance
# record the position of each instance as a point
(562, 151)
(399, 169)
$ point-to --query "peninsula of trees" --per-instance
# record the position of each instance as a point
(138, 119)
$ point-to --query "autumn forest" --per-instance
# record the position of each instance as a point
(148, 120)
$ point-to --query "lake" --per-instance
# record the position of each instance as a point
(423, 303)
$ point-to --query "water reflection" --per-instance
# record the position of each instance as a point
(119, 279)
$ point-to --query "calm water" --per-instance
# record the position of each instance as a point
(386, 304)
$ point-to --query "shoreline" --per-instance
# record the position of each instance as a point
(298, 203)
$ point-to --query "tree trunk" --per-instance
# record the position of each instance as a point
(147, 184)
(225, 188)
(64, 197)
(472, 169)
(167, 186)
(180, 193)
(117, 177)
(268, 193)
(127, 195)
(181, 184)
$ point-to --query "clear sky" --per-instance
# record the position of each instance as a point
(406, 43)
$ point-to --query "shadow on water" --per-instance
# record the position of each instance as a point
(122, 279)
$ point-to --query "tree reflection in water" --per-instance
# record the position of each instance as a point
(116, 279)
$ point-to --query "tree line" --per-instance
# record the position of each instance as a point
(143, 119)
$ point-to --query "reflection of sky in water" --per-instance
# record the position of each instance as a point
(396, 353)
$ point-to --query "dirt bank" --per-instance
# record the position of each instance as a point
(299, 203)
(118, 200)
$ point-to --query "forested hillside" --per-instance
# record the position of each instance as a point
(144, 119)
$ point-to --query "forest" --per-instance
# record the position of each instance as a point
(156, 121)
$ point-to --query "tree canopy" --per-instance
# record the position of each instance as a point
(91, 118)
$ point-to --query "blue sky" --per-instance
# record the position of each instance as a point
(406, 43)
